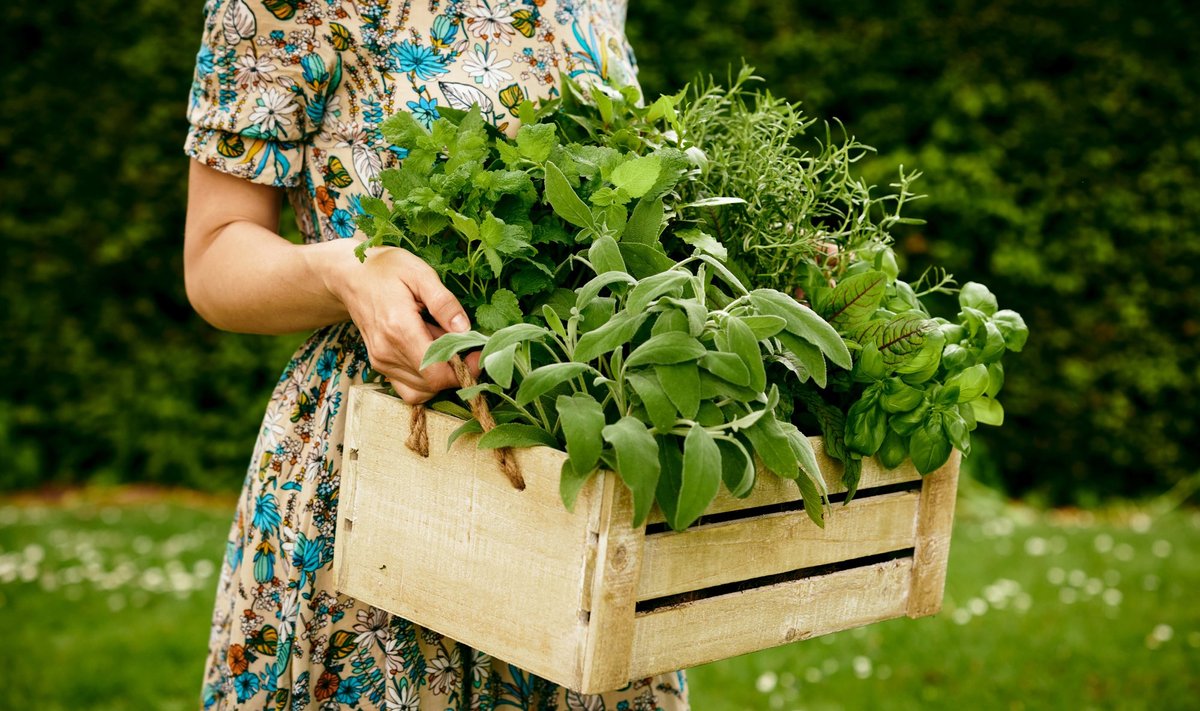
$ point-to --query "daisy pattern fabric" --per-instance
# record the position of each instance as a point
(291, 93)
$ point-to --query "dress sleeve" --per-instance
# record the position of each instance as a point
(259, 92)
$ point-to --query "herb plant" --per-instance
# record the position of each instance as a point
(631, 271)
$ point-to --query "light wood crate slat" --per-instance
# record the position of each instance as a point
(506, 553)
(770, 489)
(719, 553)
(728, 625)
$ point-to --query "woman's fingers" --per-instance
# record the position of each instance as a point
(429, 291)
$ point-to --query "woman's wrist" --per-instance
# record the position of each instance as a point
(334, 264)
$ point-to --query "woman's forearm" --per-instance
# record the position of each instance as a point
(241, 275)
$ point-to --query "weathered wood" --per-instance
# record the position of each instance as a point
(448, 543)
(729, 625)
(719, 553)
(770, 489)
(935, 521)
(452, 546)
(617, 571)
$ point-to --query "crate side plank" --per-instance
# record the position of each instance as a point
(725, 552)
(770, 489)
(935, 522)
(618, 567)
(347, 488)
(726, 626)
(514, 560)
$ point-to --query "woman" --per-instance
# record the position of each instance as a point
(288, 97)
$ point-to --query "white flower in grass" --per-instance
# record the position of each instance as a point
(491, 22)
(250, 70)
(486, 68)
(271, 111)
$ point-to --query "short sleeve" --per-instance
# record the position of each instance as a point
(259, 92)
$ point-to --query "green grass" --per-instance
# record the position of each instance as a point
(105, 598)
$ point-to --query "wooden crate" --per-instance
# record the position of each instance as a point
(587, 601)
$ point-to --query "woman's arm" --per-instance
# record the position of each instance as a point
(242, 276)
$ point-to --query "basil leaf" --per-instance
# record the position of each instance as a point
(897, 396)
(893, 451)
(928, 445)
(866, 426)
(987, 411)
(637, 462)
(977, 296)
(971, 383)
(701, 477)
(582, 419)
(1012, 327)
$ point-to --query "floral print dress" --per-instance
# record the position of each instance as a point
(291, 93)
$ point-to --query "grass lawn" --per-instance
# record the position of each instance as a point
(105, 598)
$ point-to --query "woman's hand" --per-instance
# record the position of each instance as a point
(242, 276)
(387, 297)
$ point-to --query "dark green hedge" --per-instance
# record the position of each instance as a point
(1059, 141)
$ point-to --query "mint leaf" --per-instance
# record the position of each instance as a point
(535, 141)
(636, 176)
(503, 310)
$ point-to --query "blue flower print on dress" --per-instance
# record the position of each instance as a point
(425, 111)
(420, 60)
(342, 223)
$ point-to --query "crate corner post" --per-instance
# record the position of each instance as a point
(934, 524)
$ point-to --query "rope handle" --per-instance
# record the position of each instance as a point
(418, 434)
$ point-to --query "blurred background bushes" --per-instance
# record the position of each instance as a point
(1059, 142)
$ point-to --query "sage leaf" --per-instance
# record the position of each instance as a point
(468, 427)
(665, 349)
(605, 255)
(565, 200)
(513, 434)
(808, 355)
(645, 223)
(449, 344)
(659, 407)
(652, 287)
(612, 335)
(681, 382)
(737, 336)
(642, 260)
(803, 322)
(499, 365)
(701, 477)
(727, 366)
(637, 462)
(670, 477)
(737, 468)
(547, 377)
(763, 325)
(772, 445)
(509, 335)
(589, 291)
(582, 419)
(571, 482)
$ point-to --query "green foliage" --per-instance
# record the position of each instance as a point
(1058, 147)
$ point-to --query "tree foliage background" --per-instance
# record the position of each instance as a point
(1060, 143)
